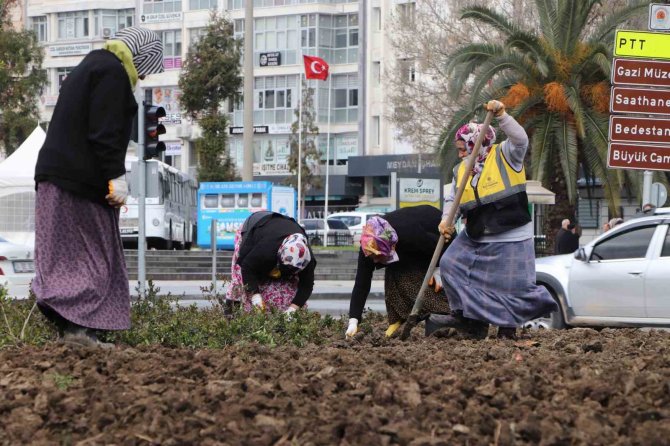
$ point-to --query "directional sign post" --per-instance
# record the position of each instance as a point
(638, 156)
(642, 44)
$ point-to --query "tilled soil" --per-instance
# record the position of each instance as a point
(566, 387)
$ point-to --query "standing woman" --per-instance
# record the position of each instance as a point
(273, 264)
(489, 269)
(81, 281)
(403, 242)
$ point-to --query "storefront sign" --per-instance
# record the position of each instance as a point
(75, 49)
(418, 191)
(168, 98)
(161, 17)
(649, 73)
(262, 169)
(640, 100)
(172, 148)
(270, 59)
(346, 147)
(643, 130)
(635, 156)
(262, 129)
(279, 129)
(642, 44)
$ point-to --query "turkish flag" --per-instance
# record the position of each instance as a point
(315, 68)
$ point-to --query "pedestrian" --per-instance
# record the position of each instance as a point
(489, 270)
(81, 282)
(614, 222)
(273, 264)
(561, 236)
(403, 242)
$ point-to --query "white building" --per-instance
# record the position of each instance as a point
(350, 35)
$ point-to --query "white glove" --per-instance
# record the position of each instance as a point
(436, 280)
(352, 329)
(289, 312)
(118, 191)
(257, 301)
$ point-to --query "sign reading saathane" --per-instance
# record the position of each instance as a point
(642, 44)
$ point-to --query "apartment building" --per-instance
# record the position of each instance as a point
(351, 36)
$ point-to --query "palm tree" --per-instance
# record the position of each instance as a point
(555, 81)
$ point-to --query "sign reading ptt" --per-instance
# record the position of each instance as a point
(642, 44)
(634, 156)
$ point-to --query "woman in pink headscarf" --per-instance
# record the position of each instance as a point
(402, 242)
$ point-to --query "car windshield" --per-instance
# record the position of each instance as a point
(348, 220)
(309, 224)
(336, 224)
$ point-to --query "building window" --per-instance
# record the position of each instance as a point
(276, 34)
(376, 18)
(203, 4)
(73, 25)
(377, 72)
(39, 25)
(155, 6)
(381, 187)
(195, 35)
(61, 75)
(338, 38)
(171, 49)
(376, 131)
(274, 99)
(344, 99)
(308, 33)
(108, 21)
(407, 69)
(407, 12)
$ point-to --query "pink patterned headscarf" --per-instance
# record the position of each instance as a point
(469, 134)
(294, 252)
(379, 238)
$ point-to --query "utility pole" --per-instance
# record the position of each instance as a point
(142, 193)
(248, 136)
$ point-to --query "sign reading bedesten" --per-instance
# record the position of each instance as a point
(642, 44)
(634, 156)
(648, 73)
(640, 100)
(642, 130)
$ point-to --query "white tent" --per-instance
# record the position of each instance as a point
(17, 190)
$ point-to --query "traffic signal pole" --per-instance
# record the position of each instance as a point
(141, 194)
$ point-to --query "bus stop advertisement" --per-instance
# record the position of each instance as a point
(230, 203)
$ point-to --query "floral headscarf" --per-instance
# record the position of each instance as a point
(294, 252)
(379, 238)
(469, 134)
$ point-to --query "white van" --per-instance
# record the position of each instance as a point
(354, 221)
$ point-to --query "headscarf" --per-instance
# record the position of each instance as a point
(121, 50)
(379, 238)
(294, 252)
(469, 134)
(615, 222)
(146, 47)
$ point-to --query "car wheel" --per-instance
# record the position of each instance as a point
(553, 321)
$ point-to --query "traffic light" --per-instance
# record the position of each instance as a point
(152, 130)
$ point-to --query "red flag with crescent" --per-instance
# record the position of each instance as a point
(315, 68)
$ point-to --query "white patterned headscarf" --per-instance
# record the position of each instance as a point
(294, 252)
(147, 49)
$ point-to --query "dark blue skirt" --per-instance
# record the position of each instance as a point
(494, 282)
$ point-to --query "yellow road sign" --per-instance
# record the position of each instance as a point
(642, 44)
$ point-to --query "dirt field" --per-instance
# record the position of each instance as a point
(573, 387)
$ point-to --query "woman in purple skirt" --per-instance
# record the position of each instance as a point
(489, 270)
(81, 282)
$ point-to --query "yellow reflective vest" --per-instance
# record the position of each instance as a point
(497, 180)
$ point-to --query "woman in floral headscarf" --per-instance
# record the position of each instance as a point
(273, 264)
(402, 242)
(489, 269)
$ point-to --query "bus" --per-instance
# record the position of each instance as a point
(171, 212)
(230, 203)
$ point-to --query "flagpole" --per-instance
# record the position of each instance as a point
(325, 213)
(300, 149)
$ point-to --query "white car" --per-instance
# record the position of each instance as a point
(338, 233)
(355, 220)
(620, 279)
(17, 267)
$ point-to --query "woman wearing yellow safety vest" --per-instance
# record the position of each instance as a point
(489, 269)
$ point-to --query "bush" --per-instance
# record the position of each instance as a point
(22, 323)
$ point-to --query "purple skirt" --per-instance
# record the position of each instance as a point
(79, 263)
(494, 282)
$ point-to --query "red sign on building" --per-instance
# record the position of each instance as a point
(635, 156)
(643, 130)
(640, 100)
(650, 73)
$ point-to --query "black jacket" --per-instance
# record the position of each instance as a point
(566, 242)
(90, 129)
(258, 255)
(417, 238)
